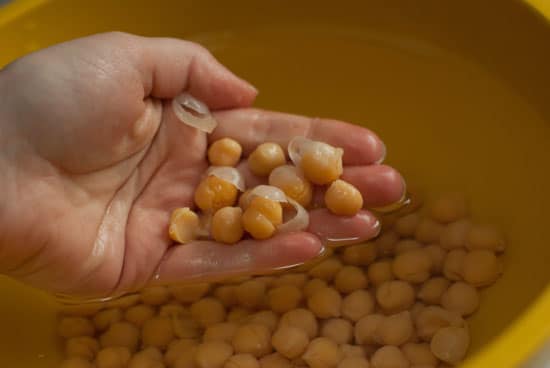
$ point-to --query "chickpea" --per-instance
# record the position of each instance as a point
(138, 314)
(76, 362)
(227, 225)
(225, 152)
(360, 254)
(214, 193)
(437, 255)
(380, 272)
(312, 286)
(419, 354)
(325, 303)
(450, 344)
(455, 234)
(252, 338)
(121, 334)
(460, 298)
(354, 362)
(454, 264)
(213, 354)
(365, 331)
(327, 269)
(189, 293)
(357, 305)
(385, 243)
(416, 309)
(84, 347)
(156, 295)
(179, 348)
(208, 311)
(184, 225)
(105, 318)
(406, 225)
(262, 217)
(185, 327)
(349, 350)
(449, 208)
(242, 361)
(343, 199)
(395, 296)
(157, 332)
(174, 310)
(275, 360)
(430, 292)
(338, 330)
(406, 245)
(296, 279)
(238, 314)
(266, 157)
(481, 268)
(301, 318)
(251, 294)
(428, 231)
(396, 329)
(223, 331)
(389, 357)
(226, 294)
(75, 327)
(284, 298)
(350, 278)
(291, 181)
(432, 318)
(267, 318)
(113, 357)
(81, 310)
(148, 358)
(321, 163)
(485, 237)
(290, 341)
(413, 266)
(321, 353)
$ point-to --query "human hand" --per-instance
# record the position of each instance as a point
(94, 160)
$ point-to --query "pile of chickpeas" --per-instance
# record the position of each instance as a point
(399, 301)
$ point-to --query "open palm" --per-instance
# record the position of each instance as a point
(94, 160)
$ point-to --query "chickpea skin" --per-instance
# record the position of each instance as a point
(291, 181)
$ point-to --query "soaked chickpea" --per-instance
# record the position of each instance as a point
(485, 237)
(454, 264)
(406, 245)
(223, 331)
(301, 318)
(113, 357)
(385, 243)
(430, 292)
(349, 350)
(157, 332)
(262, 217)
(365, 331)
(179, 348)
(238, 314)
(437, 255)
(395, 329)
(208, 311)
(76, 362)
(186, 358)
(450, 344)
(122, 334)
(321, 163)
(395, 296)
(461, 298)
(481, 268)
(432, 318)
(225, 152)
(296, 279)
(265, 158)
(380, 272)
(360, 254)
(449, 208)
(406, 225)
(291, 181)
(251, 294)
(242, 361)
(252, 338)
(290, 341)
(138, 314)
(455, 234)
(227, 226)
(174, 310)
(325, 303)
(343, 199)
(313, 286)
(419, 354)
(184, 225)
(349, 279)
(275, 360)
(186, 327)
(338, 330)
(149, 358)
(327, 269)
(226, 294)
(105, 318)
(389, 357)
(189, 293)
(322, 353)
(357, 305)
(84, 346)
(283, 298)
(268, 318)
(413, 266)
(428, 231)
(214, 193)
(354, 362)
(75, 327)
(213, 354)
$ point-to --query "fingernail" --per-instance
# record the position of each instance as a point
(384, 153)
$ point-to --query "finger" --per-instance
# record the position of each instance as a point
(250, 179)
(343, 230)
(252, 127)
(210, 260)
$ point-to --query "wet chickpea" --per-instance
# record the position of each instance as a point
(406, 225)
(268, 318)
(365, 331)
(290, 341)
(385, 243)
(251, 294)
(395, 329)
(437, 255)
(147, 359)
(238, 314)
(354, 362)
(155, 295)
(252, 338)
(138, 314)
(413, 266)
(242, 361)
(113, 357)
(325, 303)
(265, 158)
(460, 298)
(214, 193)
(227, 225)
(454, 264)
(295, 279)
(428, 231)
(360, 254)
(226, 295)
(312, 286)
(349, 350)
(327, 269)
(338, 330)
(213, 354)
(349, 279)
(208, 311)
(186, 358)
(455, 234)
(301, 318)
(275, 360)
(174, 310)
(406, 245)
(485, 237)
(85, 347)
(449, 208)
(122, 334)
(481, 268)
(281, 299)
(75, 327)
(357, 305)
(321, 353)
(76, 362)
(430, 292)
(189, 293)
(389, 357)
(184, 225)
(395, 296)
(225, 152)
(105, 318)
(432, 318)
(450, 344)
(186, 327)
(291, 181)
(157, 332)
(419, 354)
(178, 348)
(262, 217)
(343, 199)
(380, 272)
(322, 163)
(223, 331)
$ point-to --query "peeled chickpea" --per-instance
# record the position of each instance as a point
(184, 225)
(325, 303)
(251, 294)
(301, 318)
(252, 338)
(385, 243)
(485, 237)
(208, 311)
(122, 334)
(437, 255)
(321, 163)
(343, 199)
(454, 264)
(227, 225)
(449, 208)
(360, 254)
(75, 327)
(322, 353)
(460, 298)
(275, 360)
(105, 318)
(349, 350)
(84, 347)
(295, 279)
(266, 157)
(357, 305)
(413, 266)
(214, 193)
(430, 292)
(389, 357)
(76, 362)
(262, 217)
(432, 318)
(225, 152)
(406, 225)
(238, 314)
(455, 234)
(113, 357)
(481, 268)
(395, 296)
(428, 231)
(450, 344)
(406, 245)
(189, 293)
(312, 286)
(291, 181)
(284, 298)
(213, 354)
(380, 272)
(365, 331)
(157, 332)
(179, 348)
(223, 331)
(338, 330)
(354, 362)
(327, 269)
(226, 295)
(350, 278)
(395, 329)
(290, 341)
(242, 361)
(419, 354)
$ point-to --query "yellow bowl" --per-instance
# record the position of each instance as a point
(459, 90)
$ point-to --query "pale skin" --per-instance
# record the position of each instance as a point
(93, 161)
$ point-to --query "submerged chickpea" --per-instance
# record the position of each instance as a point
(406, 225)
(430, 292)
(395, 329)
(338, 330)
(454, 264)
(186, 358)
(290, 341)
(380, 272)
(155, 295)
(460, 298)
(327, 269)
(365, 331)
(295, 279)
(325, 303)
(174, 310)
(360, 254)
(395, 296)
(419, 355)
(262, 217)
(184, 225)
(208, 311)
(284, 298)
(189, 293)
(449, 208)
(301, 318)
(227, 225)
(214, 193)
(343, 199)
(105, 318)
(437, 255)
(322, 353)
(450, 344)
(291, 181)
(178, 348)
(223, 331)
(357, 305)
(432, 318)
(265, 158)
(349, 350)
(225, 152)
(75, 327)
(481, 268)
(138, 314)
(385, 243)
(406, 245)
(157, 332)
(238, 314)
(242, 361)
(226, 294)
(113, 357)
(122, 334)
(354, 362)
(252, 338)
(213, 354)
(350, 278)
(251, 294)
(313, 285)
(84, 347)
(455, 234)
(485, 237)
(148, 358)
(267, 318)
(275, 360)
(428, 231)
(76, 362)
(413, 266)
(389, 357)
(185, 327)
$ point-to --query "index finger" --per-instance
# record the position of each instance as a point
(251, 127)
